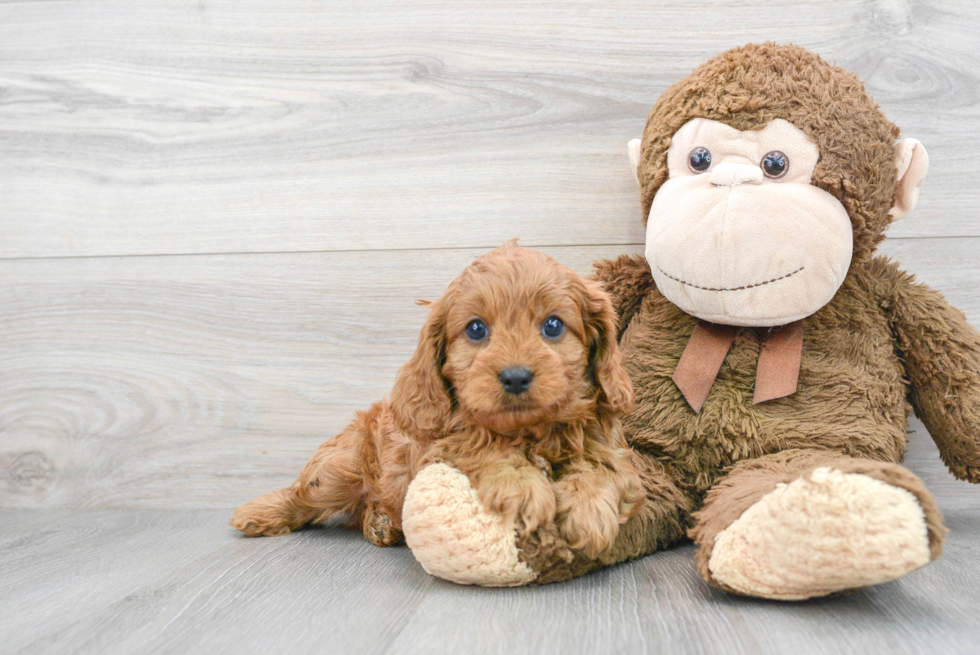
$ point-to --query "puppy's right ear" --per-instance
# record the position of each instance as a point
(605, 357)
(420, 398)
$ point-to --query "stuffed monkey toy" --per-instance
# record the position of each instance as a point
(775, 357)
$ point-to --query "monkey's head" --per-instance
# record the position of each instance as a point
(764, 175)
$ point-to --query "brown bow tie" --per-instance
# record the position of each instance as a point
(776, 374)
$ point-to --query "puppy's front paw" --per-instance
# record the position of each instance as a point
(523, 496)
(592, 507)
(590, 525)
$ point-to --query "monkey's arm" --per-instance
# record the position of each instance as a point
(627, 279)
(941, 351)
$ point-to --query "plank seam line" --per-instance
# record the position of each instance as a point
(384, 250)
(311, 252)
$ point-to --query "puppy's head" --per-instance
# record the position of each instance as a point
(517, 340)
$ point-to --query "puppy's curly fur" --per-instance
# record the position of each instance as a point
(551, 457)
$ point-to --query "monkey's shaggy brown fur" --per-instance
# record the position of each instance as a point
(883, 346)
(552, 459)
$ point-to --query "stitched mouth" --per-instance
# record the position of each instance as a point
(741, 288)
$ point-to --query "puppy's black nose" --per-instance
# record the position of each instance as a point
(516, 379)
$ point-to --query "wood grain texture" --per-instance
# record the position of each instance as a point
(255, 126)
(112, 582)
(201, 381)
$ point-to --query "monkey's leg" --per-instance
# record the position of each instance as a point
(331, 483)
(454, 537)
(799, 524)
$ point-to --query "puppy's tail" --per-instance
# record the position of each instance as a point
(330, 484)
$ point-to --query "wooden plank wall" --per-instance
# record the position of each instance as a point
(215, 216)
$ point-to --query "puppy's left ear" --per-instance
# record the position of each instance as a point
(605, 357)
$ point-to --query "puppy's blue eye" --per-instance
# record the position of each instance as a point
(476, 330)
(553, 327)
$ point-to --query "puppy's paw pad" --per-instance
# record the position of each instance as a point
(380, 531)
(454, 537)
(819, 534)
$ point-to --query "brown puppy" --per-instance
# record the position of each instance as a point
(517, 381)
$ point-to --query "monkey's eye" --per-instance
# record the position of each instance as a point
(775, 164)
(476, 330)
(553, 327)
(699, 160)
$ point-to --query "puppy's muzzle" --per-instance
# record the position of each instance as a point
(516, 379)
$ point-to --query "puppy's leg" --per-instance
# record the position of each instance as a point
(516, 489)
(596, 494)
(331, 483)
(272, 514)
(379, 527)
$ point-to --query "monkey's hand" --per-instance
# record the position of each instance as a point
(941, 352)
(968, 473)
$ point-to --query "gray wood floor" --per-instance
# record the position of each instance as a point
(183, 581)
(214, 219)
(159, 581)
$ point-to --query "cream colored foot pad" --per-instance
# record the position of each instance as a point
(453, 537)
(821, 534)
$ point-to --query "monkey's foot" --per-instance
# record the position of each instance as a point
(824, 532)
(454, 537)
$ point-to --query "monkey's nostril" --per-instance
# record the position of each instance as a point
(516, 379)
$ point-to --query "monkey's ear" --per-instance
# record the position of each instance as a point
(912, 163)
(633, 151)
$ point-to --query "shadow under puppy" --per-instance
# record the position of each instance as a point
(517, 382)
